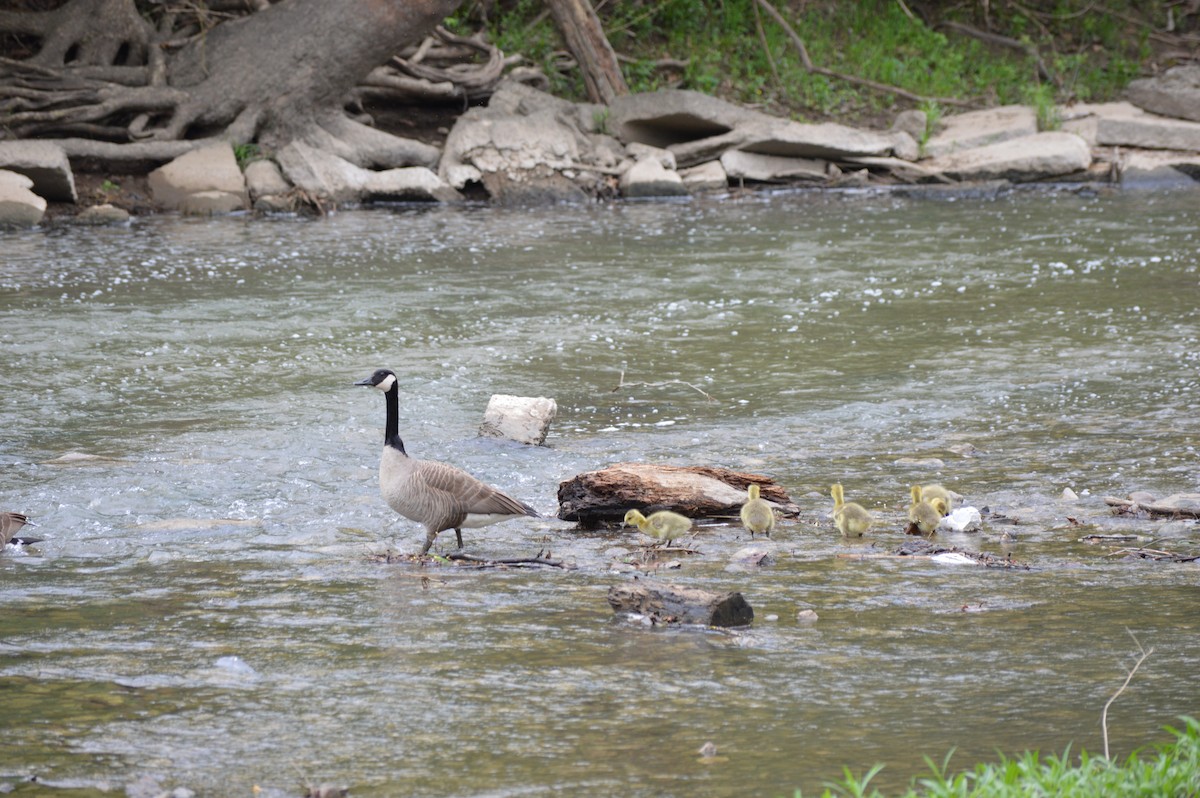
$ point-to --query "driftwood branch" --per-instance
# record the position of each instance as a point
(1121, 689)
(509, 562)
(865, 82)
(622, 384)
(1167, 510)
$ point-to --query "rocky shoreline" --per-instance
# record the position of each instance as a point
(529, 147)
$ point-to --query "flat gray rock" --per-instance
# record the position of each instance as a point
(45, 164)
(981, 128)
(1174, 93)
(1041, 155)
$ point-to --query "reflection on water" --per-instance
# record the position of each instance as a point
(203, 609)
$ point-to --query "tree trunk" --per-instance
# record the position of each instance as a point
(585, 39)
(275, 76)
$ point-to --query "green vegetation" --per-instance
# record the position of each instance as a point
(1170, 769)
(245, 153)
(1087, 52)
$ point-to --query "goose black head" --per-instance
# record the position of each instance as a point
(383, 379)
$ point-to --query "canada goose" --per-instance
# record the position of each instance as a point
(924, 514)
(663, 525)
(931, 492)
(757, 515)
(10, 525)
(437, 495)
(851, 518)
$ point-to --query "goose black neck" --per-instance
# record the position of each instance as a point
(391, 430)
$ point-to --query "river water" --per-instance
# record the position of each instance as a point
(207, 608)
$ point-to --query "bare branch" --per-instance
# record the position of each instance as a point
(1104, 715)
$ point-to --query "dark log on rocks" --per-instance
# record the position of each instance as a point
(675, 604)
(597, 497)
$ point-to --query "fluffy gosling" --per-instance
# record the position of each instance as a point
(851, 518)
(924, 514)
(663, 526)
(931, 492)
(757, 515)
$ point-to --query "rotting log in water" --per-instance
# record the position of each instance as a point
(668, 604)
(1179, 505)
(604, 496)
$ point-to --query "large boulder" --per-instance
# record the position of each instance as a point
(206, 170)
(528, 146)
(1175, 93)
(45, 164)
(1034, 157)
(981, 128)
(19, 207)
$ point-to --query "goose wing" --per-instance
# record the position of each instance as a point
(451, 495)
(10, 524)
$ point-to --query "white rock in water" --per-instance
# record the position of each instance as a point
(963, 519)
(1069, 495)
(520, 418)
(953, 558)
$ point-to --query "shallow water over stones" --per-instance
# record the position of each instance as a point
(205, 611)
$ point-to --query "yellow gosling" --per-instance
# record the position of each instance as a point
(662, 526)
(851, 519)
(931, 492)
(924, 515)
(757, 515)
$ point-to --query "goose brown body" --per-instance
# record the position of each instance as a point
(434, 494)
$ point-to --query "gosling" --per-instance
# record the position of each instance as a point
(757, 515)
(851, 518)
(924, 515)
(663, 526)
(931, 492)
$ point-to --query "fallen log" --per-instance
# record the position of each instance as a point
(1179, 505)
(673, 604)
(598, 497)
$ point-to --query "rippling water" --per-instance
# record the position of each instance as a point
(204, 610)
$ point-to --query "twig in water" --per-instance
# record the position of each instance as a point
(1128, 679)
(484, 562)
(622, 384)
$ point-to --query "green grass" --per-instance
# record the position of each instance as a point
(1172, 769)
(1091, 51)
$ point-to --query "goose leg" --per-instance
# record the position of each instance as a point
(458, 534)
(429, 538)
